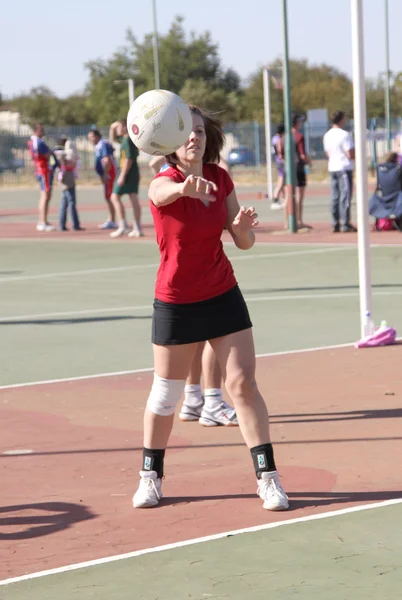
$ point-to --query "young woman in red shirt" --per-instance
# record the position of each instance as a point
(196, 299)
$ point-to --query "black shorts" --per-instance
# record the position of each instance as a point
(174, 324)
(301, 180)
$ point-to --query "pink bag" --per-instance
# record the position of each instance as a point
(385, 225)
(382, 336)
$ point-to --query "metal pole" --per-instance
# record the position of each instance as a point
(268, 133)
(257, 145)
(289, 142)
(359, 107)
(156, 44)
(131, 95)
(387, 77)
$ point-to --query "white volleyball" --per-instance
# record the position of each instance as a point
(159, 122)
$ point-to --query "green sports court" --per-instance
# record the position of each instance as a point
(76, 366)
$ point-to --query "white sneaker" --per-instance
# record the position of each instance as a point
(276, 205)
(108, 225)
(119, 232)
(270, 490)
(191, 413)
(149, 491)
(222, 415)
(136, 233)
(45, 227)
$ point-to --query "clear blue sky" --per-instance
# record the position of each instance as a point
(49, 45)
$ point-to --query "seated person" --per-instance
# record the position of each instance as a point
(386, 202)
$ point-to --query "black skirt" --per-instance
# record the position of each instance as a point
(174, 324)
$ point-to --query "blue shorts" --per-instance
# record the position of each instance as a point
(45, 181)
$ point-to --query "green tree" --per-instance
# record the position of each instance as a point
(40, 104)
(181, 57)
(107, 100)
(316, 86)
(188, 63)
(375, 94)
(76, 110)
(226, 106)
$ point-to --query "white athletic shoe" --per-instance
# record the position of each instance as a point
(45, 227)
(271, 491)
(108, 225)
(222, 415)
(276, 205)
(149, 491)
(136, 232)
(119, 232)
(191, 413)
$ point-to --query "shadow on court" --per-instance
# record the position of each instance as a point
(76, 321)
(196, 447)
(353, 415)
(319, 288)
(297, 500)
(54, 516)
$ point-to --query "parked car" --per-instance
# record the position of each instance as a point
(242, 155)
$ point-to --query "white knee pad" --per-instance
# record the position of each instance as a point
(165, 395)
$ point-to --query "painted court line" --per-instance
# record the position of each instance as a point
(71, 313)
(147, 369)
(201, 540)
(155, 265)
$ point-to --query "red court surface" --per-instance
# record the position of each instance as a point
(336, 416)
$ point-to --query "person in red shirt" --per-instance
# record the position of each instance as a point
(301, 159)
(40, 154)
(197, 299)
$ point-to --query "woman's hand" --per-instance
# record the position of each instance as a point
(244, 221)
(198, 187)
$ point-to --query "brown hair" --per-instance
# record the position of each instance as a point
(214, 134)
(337, 117)
(391, 157)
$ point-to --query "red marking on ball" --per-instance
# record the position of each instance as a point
(135, 129)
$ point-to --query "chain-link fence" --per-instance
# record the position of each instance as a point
(245, 148)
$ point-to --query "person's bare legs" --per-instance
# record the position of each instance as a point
(111, 209)
(299, 205)
(43, 208)
(287, 201)
(211, 370)
(194, 376)
(236, 355)
(170, 362)
(279, 188)
(135, 203)
(136, 207)
(172, 365)
(215, 411)
(118, 207)
(237, 359)
(193, 400)
(122, 226)
(299, 208)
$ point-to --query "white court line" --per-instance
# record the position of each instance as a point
(71, 313)
(72, 273)
(147, 369)
(271, 298)
(155, 265)
(201, 540)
